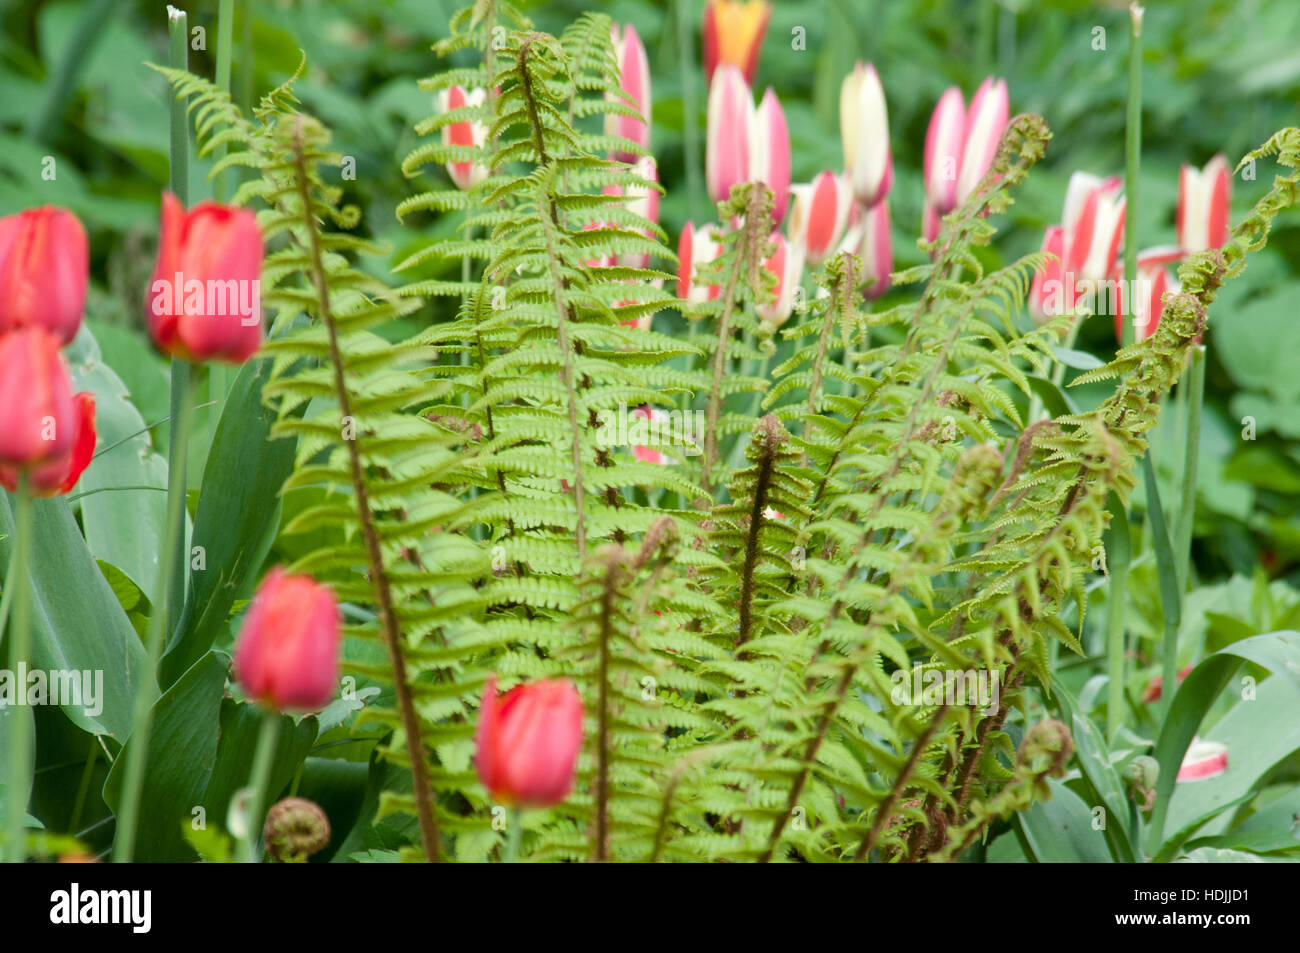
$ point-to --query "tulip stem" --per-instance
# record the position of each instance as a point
(219, 375)
(690, 111)
(147, 688)
(1132, 158)
(1195, 384)
(263, 758)
(19, 775)
(515, 837)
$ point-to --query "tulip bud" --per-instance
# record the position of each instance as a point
(287, 653)
(769, 153)
(1203, 205)
(527, 742)
(697, 246)
(658, 418)
(869, 238)
(1153, 281)
(731, 117)
(733, 35)
(819, 215)
(985, 123)
(36, 408)
(44, 267)
(944, 142)
(205, 297)
(787, 264)
(1047, 293)
(1094, 226)
(864, 128)
(1204, 759)
(468, 173)
(634, 80)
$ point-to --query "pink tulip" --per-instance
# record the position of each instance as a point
(643, 200)
(1047, 293)
(658, 418)
(287, 653)
(697, 246)
(944, 143)
(634, 80)
(1094, 226)
(1204, 759)
(930, 221)
(527, 743)
(819, 215)
(869, 238)
(787, 264)
(1203, 205)
(730, 121)
(769, 153)
(44, 268)
(466, 174)
(864, 129)
(985, 123)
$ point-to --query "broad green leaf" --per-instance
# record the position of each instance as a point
(1060, 830)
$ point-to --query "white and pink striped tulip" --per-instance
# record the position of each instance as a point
(787, 264)
(1048, 297)
(643, 200)
(1153, 281)
(944, 141)
(869, 238)
(769, 153)
(1094, 226)
(697, 246)
(634, 80)
(1204, 759)
(731, 118)
(468, 174)
(819, 214)
(1203, 205)
(864, 129)
(985, 123)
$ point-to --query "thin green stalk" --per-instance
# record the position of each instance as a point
(688, 63)
(1118, 555)
(515, 836)
(263, 758)
(7, 597)
(1170, 589)
(1195, 383)
(1132, 156)
(19, 776)
(219, 375)
(147, 687)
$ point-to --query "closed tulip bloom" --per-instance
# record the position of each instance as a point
(634, 80)
(45, 432)
(787, 264)
(944, 143)
(657, 420)
(985, 123)
(819, 214)
(731, 117)
(1094, 226)
(465, 174)
(1047, 293)
(1204, 759)
(864, 128)
(769, 153)
(1154, 280)
(205, 297)
(871, 240)
(733, 35)
(287, 653)
(1203, 205)
(643, 200)
(527, 742)
(44, 267)
(930, 221)
(697, 246)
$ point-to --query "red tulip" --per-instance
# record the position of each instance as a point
(1153, 281)
(205, 296)
(469, 133)
(1203, 205)
(1153, 688)
(44, 266)
(985, 123)
(944, 142)
(45, 431)
(769, 153)
(864, 129)
(787, 264)
(287, 654)
(733, 35)
(730, 121)
(1094, 226)
(528, 742)
(634, 80)
(697, 246)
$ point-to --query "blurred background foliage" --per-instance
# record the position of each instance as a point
(1219, 76)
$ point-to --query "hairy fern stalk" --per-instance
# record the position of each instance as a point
(734, 620)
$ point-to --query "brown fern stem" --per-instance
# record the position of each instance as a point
(771, 441)
(900, 784)
(379, 579)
